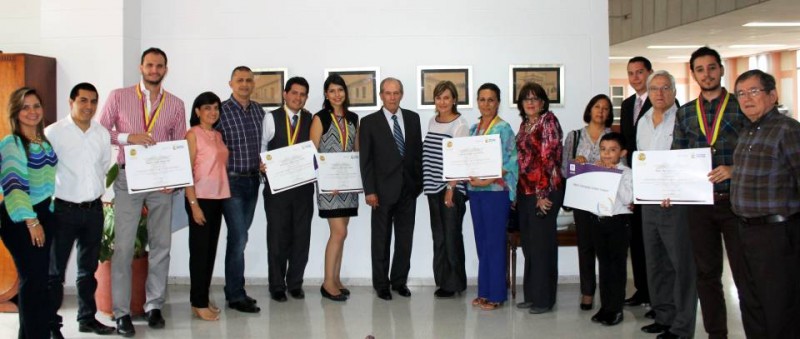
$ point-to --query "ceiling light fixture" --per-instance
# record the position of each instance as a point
(620, 58)
(674, 46)
(772, 24)
(757, 46)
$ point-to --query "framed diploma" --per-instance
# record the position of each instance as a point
(339, 172)
(161, 166)
(477, 156)
(680, 175)
(290, 166)
(592, 188)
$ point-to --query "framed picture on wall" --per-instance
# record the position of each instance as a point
(268, 89)
(551, 77)
(429, 76)
(362, 86)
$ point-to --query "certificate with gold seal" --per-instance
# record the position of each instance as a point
(160, 166)
(467, 157)
(339, 172)
(680, 175)
(291, 166)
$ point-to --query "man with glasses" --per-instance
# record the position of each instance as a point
(670, 264)
(765, 196)
(712, 120)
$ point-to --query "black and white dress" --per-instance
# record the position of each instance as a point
(342, 204)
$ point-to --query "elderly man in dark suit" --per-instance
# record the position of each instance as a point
(390, 147)
(633, 108)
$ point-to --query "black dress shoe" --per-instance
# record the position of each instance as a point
(669, 335)
(384, 294)
(599, 316)
(245, 306)
(154, 318)
(651, 314)
(338, 297)
(279, 296)
(251, 300)
(95, 327)
(540, 310)
(345, 291)
(611, 319)
(633, 301)
(655, 328)
(125, 326)
(402, 291)
(55, 333)
(524, 305)
(297, 293)
(443, 294)
(586, 307)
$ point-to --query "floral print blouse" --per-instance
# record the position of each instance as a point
(539, 156)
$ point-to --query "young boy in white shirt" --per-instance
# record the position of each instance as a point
(611, 234)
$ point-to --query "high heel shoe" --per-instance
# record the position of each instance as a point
(345, 291)
(338, 297)
(587, 306)
(205, 314)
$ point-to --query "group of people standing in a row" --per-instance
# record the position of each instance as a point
(52, 201)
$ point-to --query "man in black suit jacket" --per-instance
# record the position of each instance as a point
(390, 147)
(639, 68)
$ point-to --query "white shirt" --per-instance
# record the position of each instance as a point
(83, 159)
(624, 192)
(123, 137)
(656, 138)
(399, 114)
(268, 127)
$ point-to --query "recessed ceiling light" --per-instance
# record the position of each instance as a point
(772, 24)
(673, 46)
(620, 58)
(683, 57)
(758, 46)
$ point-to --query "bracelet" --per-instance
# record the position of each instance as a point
(33, 224)
(192, 202)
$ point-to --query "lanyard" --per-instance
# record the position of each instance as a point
(291, 137)
(718, 114)
(148, 122)
(344, 137)
(491, 124)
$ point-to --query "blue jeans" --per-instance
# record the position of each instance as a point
(238, 212)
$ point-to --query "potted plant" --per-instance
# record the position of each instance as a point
(138, 267)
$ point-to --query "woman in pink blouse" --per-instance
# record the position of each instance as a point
(541, 192)
(209, 158)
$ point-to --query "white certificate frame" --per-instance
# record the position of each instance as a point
(360, 81)
(165, 165)
(592, 188)
(684, 172)
(453, 167)
(326, 174)
(303, 174)
(425, 85)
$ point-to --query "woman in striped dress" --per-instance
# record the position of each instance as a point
(333, 129)
(446, 199)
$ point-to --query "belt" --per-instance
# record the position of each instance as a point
(769, 219)
(83, 205)
(722, 196)
(244, 174)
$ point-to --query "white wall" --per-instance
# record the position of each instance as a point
(205, 39)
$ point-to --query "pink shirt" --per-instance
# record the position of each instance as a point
(123, 113)
(210, 165)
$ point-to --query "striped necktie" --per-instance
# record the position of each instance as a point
(398, 136)
(637, 110)
(294, 120)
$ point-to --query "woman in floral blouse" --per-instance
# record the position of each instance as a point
(541, 192)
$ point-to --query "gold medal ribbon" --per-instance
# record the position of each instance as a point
(149, 123)
(291, 137)
(343, 137)
(491, 124)
(718, 114)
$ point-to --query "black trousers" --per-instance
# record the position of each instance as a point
(203, 249)
(610, 236)
(638, 258)
(289, 216)
(540, 246)
(35, 310)
(84, 225)
(400, 217)
(586, 251)
(771, 255)
(448, 243)
(709, 225)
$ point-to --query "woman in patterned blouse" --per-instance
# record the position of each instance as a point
(541, 192)
(27, 172)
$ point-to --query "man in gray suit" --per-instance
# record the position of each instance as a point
(390, 147)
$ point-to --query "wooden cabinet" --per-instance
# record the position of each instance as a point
(38, 72)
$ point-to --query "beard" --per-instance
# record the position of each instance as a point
(152, 82)
(711, 88)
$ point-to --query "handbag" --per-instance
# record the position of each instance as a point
(576, 135)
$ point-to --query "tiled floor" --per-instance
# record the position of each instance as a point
(420, 316)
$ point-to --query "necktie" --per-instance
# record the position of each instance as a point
(638, 108)
(398, 136)
(294, 120)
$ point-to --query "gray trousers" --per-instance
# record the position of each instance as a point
(671, 270)
(128, 210)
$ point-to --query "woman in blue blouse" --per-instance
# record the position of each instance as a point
(27, 173)
(490, 201)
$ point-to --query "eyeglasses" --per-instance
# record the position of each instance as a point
(531, 100)
(660, 89)
(753, 92)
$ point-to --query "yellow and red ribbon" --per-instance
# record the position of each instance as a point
(150, 122)
(718, 114)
